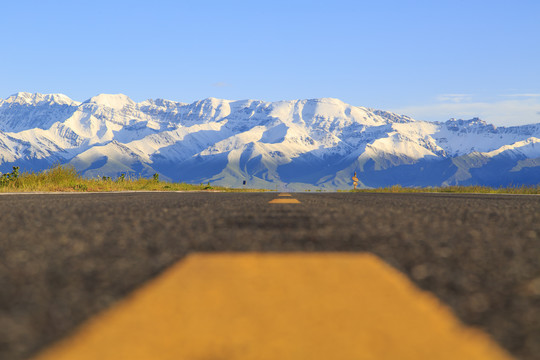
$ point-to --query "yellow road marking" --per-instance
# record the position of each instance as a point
(284, 194)
(277, 306)
(284, 201)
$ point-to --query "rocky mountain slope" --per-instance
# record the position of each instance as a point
(317, 143)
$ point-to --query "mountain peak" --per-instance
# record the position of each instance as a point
(114, 101)
(327, 100)
(27, 98)
(469, 122)
(474, 124)
(21, 95)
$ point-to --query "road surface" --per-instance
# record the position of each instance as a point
(65, 257)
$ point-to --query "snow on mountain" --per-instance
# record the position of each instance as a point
(113, 101)
(315, 143)
(24, 111)
(24, 98)
(529, 148)
(459, 137)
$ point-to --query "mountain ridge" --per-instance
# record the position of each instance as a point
(308, 143)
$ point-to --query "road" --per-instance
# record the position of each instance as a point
(65, 257)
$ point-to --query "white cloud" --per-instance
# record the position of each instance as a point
(454, 98)
(522, 95)
(516, 111)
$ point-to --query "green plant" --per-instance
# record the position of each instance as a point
(81, 187)
(156, 177)
(7, 178)
(207, 187)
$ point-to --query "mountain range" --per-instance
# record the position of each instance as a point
(298, 144)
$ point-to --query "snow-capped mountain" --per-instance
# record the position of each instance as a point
(317, 143)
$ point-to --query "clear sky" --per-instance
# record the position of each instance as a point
(431, 59)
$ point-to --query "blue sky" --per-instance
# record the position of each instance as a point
(429, 59)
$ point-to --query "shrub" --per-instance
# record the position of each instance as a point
(81, 187)
(8, 178)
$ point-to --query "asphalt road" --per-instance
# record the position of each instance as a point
(65, 257)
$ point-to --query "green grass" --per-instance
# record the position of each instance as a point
(457, 189)
(65, 178)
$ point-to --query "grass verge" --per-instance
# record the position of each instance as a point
(65, 178)
(478, 189)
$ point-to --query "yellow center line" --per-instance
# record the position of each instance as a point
(277, 306)
(284, 194)
(284, 201)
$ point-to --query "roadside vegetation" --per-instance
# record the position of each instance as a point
(66, 178)
(457, 189)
